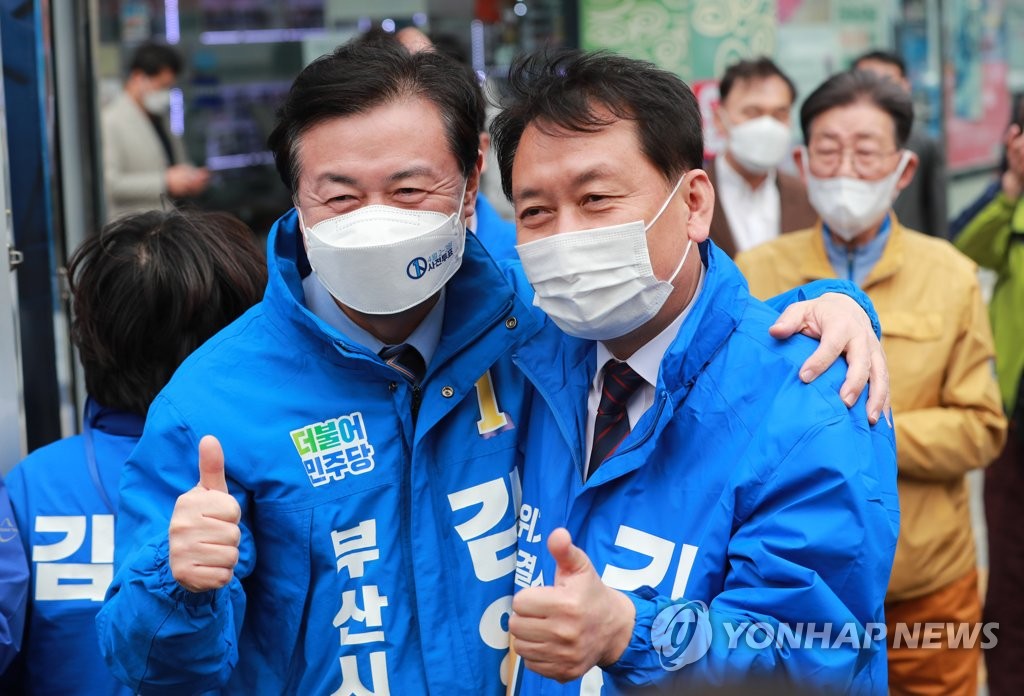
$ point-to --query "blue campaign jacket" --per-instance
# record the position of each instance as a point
(742, 488)
(497, 234)
(65, 510)
(374, 555)
(13, 584)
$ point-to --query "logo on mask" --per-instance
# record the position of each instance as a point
(417, 268)
(420, 266)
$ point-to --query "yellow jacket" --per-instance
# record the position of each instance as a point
(945, 399)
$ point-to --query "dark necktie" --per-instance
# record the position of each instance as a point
(406, 360)
(612, 424)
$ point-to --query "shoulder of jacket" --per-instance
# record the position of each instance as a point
(44, 460)
(940, 253)
(790, 246)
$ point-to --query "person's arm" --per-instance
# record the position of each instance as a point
(156, 636)
(814, 546)
(841, 317)
(13, 585)
(987, 230)
(985, 239)
(960, 222)
(967, 430)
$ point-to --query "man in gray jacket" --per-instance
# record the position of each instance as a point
(143, 162)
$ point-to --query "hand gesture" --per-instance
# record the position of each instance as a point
(203, 535)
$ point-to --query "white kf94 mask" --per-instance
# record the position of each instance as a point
(760, 144)
(384, 260)
(598, 284)
(849, 206)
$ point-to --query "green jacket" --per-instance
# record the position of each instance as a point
(994, 238)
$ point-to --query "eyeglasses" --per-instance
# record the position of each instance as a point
(826, 159)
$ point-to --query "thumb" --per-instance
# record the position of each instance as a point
(569, 558)
(211, 465)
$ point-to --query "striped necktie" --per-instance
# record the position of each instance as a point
(406, 360)
(611, 426)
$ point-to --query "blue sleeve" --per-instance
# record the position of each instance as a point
(13, 583)
(156, 636)
(814, 547)
(817, 288)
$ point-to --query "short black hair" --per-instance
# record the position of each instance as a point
(152, 58)
(760, 68)
(149, 289)
(360, 76)
(887, 57)
(564, 89)
(853, 86)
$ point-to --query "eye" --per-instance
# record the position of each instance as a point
(408, 191)
(344, 198)
(529, 212)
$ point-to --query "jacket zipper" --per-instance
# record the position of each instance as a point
(417, 399)
(562, 427)
(662, 399)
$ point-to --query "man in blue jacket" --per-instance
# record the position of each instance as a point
(353, 529)
(725, 524)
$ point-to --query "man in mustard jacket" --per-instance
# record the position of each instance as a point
(936, 334)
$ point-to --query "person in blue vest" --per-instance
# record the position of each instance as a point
(146, 291)
(694, 515)
(324, 499)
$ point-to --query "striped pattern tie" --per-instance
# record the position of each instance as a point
(406, 360)
(612, 423)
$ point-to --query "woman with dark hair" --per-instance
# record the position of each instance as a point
(145, 292)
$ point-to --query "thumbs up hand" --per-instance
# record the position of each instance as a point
(563, 630)
(203, 535)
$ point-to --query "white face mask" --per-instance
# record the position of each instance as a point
(384, 260)
(759, 144)
(157, 102)
(598, 284)
(850, 206)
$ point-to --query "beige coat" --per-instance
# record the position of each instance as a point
(134, 161)
(945, 400)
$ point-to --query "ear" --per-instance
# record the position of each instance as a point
(717, 118)
(302, 223)
(472, 187)
(699, 195)
(800, 158)
(908, 171)
(485, 146)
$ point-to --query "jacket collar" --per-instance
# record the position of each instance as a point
(478, 298)
(815, 264)
(714, 316)
(112, 421)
